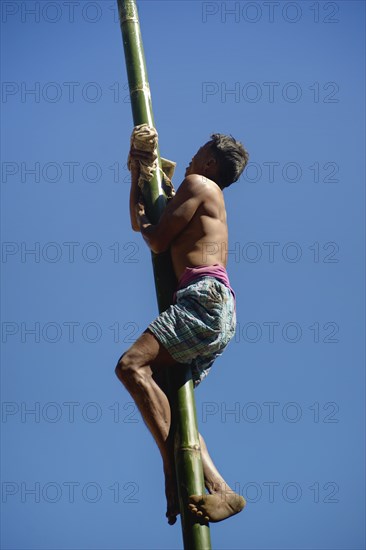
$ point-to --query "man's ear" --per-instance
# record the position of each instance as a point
(211, 163)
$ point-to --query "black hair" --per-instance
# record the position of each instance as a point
(232, 158)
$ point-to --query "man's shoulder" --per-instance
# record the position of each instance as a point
(196, 183)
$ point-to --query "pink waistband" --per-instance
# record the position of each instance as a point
(218, 271)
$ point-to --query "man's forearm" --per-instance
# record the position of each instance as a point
(148, 231)
(134, 198)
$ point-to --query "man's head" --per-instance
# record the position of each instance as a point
(221, 159)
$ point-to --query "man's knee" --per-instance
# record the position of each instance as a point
(127, 368)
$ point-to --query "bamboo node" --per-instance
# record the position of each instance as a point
(127, 11)
(144, 88)
(191, 448)
(128, 18)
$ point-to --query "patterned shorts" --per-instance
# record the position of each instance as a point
(197, 328)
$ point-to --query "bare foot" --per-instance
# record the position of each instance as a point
(171, 493)
(217, 506)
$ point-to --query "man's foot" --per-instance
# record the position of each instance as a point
(216, 507)
(171, 493)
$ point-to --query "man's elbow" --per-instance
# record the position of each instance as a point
(158, 246)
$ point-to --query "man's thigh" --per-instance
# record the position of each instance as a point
(148, 351)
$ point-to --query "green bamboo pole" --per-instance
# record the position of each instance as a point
(196, 534)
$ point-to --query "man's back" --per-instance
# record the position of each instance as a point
(204, 239)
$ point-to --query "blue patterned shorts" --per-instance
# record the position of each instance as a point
(197, 328)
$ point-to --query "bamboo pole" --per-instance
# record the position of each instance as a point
(196, 533)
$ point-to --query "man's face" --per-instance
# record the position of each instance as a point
(198, 164)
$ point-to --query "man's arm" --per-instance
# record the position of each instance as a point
(176, 216)
(135, 155)
(134, 193)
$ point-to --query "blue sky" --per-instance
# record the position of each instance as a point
(283, 409)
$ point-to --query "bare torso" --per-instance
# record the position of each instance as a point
(204, 241)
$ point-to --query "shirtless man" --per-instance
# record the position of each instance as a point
(198, 326)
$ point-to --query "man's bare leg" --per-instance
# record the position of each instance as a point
(222, 502)
(135, 369)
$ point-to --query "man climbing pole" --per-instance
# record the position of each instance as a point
(197, 327)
